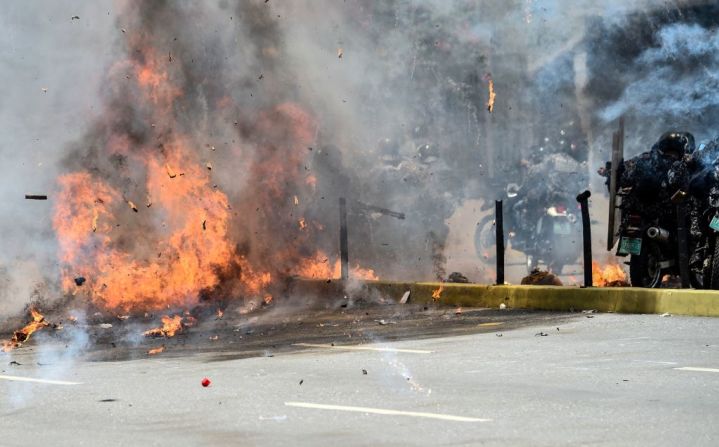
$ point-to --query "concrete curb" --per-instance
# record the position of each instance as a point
(616, 299)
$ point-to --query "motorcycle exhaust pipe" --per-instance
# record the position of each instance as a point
(658, 234)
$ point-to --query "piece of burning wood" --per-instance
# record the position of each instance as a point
(35, 197)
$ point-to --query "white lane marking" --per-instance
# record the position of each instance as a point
(656, 362)
(363, 348)
(30, 379)
(692, 368)
(444, 417)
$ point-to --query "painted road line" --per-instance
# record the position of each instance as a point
(692, 368)
(496, 323)
(363, 348)
(30, 379)
(386, 412)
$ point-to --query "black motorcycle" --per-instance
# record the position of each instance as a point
(665, 214)
(548, 234)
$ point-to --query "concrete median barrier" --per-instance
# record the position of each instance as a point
(615, 299)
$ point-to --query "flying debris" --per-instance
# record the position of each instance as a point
(20, 336)
(492, 94)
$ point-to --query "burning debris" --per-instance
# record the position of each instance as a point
(157, 350)
(437, 293)
(492, 94)
(610, 275)
(170, 327)
(20, 336)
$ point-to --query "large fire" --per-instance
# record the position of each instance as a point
(610, 275)
(185, 240)
(22, 335)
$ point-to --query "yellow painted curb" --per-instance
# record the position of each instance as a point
(614, 299)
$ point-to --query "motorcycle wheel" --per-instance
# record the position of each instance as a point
(484, 239)
(714, 280)
(644, 269)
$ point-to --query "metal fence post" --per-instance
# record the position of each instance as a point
(499, 240)
(583, 200)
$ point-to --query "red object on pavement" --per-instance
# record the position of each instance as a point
(206, 382)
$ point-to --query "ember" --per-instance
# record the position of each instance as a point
(22, 335)
(156, 350)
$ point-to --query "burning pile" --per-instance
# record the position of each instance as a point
(611, 275)
(170, 327)
(22, 335)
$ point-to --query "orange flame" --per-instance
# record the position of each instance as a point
(170, 326)
(38, 322)
(319, 267)
(492, 96)
(437, 293)
(156, 350)
(611, 275)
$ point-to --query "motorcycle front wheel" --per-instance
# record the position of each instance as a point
(484, 239)
(645, 269)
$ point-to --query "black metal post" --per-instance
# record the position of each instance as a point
(583, 200)
(344, 252)
(683, 241)
(499, 240)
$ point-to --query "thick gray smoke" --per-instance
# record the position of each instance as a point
(680, 78)
(381, 102)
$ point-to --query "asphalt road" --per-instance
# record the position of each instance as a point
(604, 380)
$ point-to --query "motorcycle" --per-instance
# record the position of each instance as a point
(549, 235)
(667, 214)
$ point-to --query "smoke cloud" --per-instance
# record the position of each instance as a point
(281, 108)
